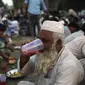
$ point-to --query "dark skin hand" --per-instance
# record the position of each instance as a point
(9, 47)
(6, 40)
(5, 56)
(24, 58)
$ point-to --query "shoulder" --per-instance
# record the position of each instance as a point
(70, 68)
(68, 60)
(32, 60)
(69, 75)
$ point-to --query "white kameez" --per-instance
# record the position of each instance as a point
(67, 71)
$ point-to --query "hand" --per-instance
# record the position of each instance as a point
(4, 66)
(6, 58)
(25, 42)
(46, 11)
(27, 54)
(10, 48)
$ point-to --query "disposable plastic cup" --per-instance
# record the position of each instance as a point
(32, 47)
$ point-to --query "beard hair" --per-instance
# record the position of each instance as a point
(46, 60)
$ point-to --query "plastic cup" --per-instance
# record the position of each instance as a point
(32, 47)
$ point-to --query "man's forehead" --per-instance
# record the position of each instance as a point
(47, 34)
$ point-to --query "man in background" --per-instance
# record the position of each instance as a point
(33, 8)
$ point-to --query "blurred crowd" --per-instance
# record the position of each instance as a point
(18, 21)
(29, 23)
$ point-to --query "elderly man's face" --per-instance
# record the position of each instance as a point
(47, 39)
(46, 59)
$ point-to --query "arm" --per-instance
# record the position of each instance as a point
(29, 66)
(27, 69)
(5, 36)
(83, 48)
(69, 76)
(24, 59)
(43, 5)
(4, 56)
(25, 5)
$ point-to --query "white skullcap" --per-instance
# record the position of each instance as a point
(4, 19)
(62, 21)
(53, 26)
(67, 21)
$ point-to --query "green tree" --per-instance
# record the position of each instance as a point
(1, 3)
(18, 3)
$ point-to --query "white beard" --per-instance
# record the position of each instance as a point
(46, 60)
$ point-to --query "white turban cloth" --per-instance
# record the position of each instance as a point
(53, 26)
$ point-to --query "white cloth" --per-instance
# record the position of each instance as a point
(77, 47)
(16, 24)
(67, 32)
(73, 36)
(67, 71)
(53, 26)
(0, 19)
(25, 83)
(13, 28)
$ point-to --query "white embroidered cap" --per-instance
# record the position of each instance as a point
(4, 19)
(53, 26)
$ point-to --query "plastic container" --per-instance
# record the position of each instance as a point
(32, 47)
(3, 73)
(3, 79)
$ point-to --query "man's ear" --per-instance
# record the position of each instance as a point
(58, 45)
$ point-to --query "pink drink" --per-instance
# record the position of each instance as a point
(32, 47)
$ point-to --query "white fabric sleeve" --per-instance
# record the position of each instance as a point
(29, 64)
(83, 49)
(32, 61)
(69, 39)
(68, 75)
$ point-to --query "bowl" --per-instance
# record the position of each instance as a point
(12, 60)
(14, 73)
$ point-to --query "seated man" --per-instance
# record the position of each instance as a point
(77, 47)
(3, 41)
(54, 65)
(4, 44)
(11, 27)
(74, 35)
